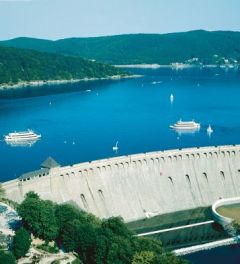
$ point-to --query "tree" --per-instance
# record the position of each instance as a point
(7, 257)
(143, 257)
(32, 195)
(147, 244)
(39, 217)
(236, 227)
(168, 258)
(80, 237)
(77, 261)
(21, 242)
(86, 242)
(120, 250)
(113, 245)
(116, 225)
(70, 235)
(66, 213)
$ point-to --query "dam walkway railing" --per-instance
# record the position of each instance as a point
(175, 228)
(207, 246)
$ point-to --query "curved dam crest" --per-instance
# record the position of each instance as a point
(141, 185)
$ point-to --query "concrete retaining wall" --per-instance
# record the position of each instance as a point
(141, 185)
(226, 222)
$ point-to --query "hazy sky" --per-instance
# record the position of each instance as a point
(56, 19)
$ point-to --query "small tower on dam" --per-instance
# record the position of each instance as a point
(50, 163)
(46, 167)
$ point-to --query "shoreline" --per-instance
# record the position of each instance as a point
(156, 66)
(5, 228)
(180, 66)
(38, 83)
(141, 66)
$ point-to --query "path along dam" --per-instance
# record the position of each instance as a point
(138, 186)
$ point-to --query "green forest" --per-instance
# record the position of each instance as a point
(143, 48)
(17, 65)
(95, 241)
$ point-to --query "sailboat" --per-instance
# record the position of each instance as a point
(171, 98)
(209, 130)
(115, 148)
(155, 82)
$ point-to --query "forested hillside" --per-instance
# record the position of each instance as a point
(143, 48)
(18, 65)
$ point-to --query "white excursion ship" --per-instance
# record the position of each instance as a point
(186, 125)
(24, 136)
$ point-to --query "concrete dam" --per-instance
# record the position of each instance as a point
(138, 186)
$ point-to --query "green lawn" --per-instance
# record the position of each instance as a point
(171, 220)
(184, 237)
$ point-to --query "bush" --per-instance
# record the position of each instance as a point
(21, 242)
(7, 257)
(76, 261)
(48, 248)
(143, 257)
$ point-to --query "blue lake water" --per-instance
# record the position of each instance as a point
(81, 126)
(221, 255)
(78, 126)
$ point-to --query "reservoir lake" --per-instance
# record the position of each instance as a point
(82, 121)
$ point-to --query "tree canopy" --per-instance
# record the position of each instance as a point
(96, 241)
(21, 242)
(7, 257)
(39, 217)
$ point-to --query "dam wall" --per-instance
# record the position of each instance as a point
(141, 185)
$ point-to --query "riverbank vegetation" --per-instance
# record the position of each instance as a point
(19, 65)
(97, 241)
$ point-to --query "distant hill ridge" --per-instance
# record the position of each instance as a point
(143, 48)
(21, 65)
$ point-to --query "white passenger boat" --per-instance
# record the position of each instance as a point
(24, 136)
(186, 125)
